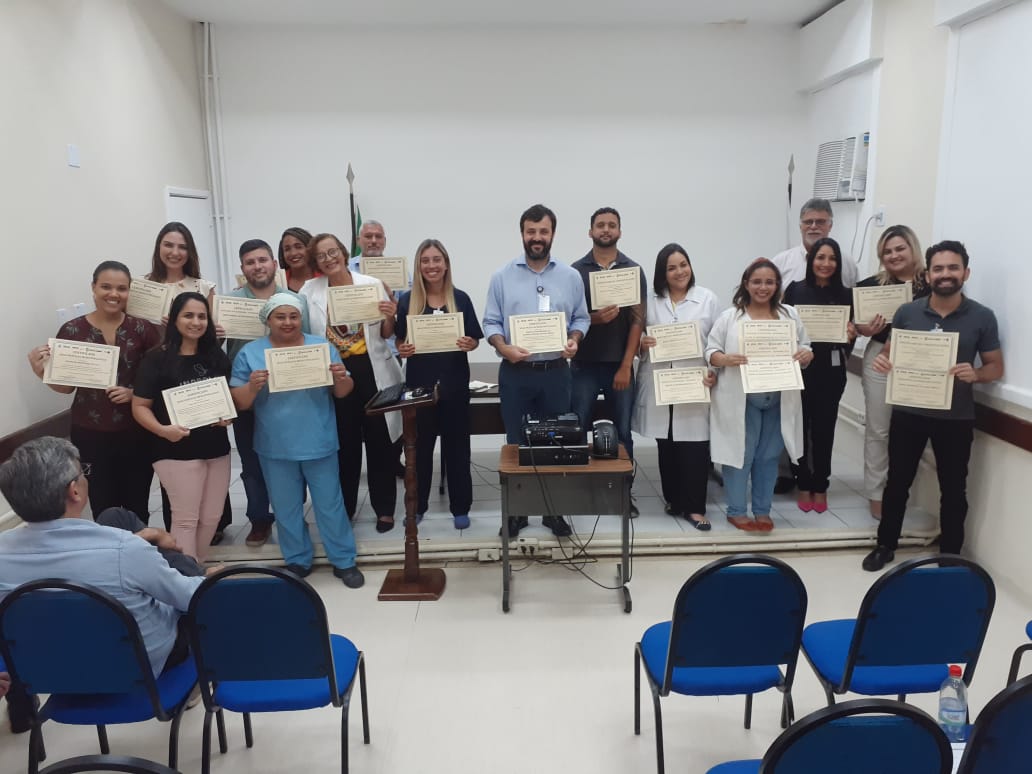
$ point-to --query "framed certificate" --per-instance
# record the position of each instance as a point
(239, 317)
(880, 299)
(680, 385)
(543, 332)
(921, 362)
(430, 333)
(616, 287)
(675, 341)
(353, 304)
(199, 404)
(825, 323)
(764, 339)
(298, 368)
(772, 376)
(149, 300)
(392, 272)
(79, 364)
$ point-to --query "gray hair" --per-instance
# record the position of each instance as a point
(36, 477)
(818, 205)
(371, 223)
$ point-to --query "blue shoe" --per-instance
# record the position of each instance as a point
(419, 517)
(461, 522)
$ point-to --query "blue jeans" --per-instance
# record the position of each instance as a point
(251, 470)
(591, 378)
(763, 445)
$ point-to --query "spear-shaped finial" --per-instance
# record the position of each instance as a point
(351, 178)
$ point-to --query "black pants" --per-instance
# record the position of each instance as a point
(121, 469)
(820, 399)
(951, 443)
(683, 474)
(122, 518)
(449, 419)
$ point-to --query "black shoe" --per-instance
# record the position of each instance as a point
(784, 485)
(351, 576)
(19, 711)
(299, 570)
(382, 525)
(878, 558)
(515, 524)
(558, 525)
(217, 538)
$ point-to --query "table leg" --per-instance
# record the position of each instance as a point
(624, 570)
(504, 536)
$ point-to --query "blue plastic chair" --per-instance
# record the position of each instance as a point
(82, 646)
(866, 736)
(736, 623)
(1000, 742)
(262, 643)
(1016, 658)
(914, 621)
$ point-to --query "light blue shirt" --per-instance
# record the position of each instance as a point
(233, 346)
(295, 425)
(514, 290)
(116, 561)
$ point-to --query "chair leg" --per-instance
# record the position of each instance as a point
(748, 711)
(35, 747)
(829, 694)
(173, 738)
(105, 748)
(344, 738)
(637, 692)
(220, 725)
(248, 735)
(364, 699)
(206, 743)
(1012, 675)
(660, 763)
(901, 697)
(789, 708)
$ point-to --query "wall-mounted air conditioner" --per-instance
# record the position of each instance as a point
(842, 169)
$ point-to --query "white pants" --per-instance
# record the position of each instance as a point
(876, 429)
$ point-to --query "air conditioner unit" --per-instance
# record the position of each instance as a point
(842, 169)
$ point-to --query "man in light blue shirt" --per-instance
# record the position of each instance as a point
(538, 384)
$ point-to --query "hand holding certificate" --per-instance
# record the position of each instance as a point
(880, 299)
(149, 300)
(430, 333)
(616, 287)
(825, 323)
(79, 364)
(199, 404)
(770, 349)
(675, 341)
(542, 332)
(353, 304)
(239, 317)
(681, 385)
(298, 368)
(771, 376)
(392, 272)
(921, 374)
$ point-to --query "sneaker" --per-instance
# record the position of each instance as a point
(299, 570)
(878, 558)
(258, 535)
(558, 526)
(515, 524)
(461, 522)
(352, 577)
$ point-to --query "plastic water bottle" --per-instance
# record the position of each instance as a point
(953, 705)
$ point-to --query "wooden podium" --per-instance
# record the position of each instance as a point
(410, 583)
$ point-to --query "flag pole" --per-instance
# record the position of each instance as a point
(351, 199)
(788, 218)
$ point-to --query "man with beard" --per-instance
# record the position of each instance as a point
(815, 221)
(259, 269)
(951, 431)
(536, 384)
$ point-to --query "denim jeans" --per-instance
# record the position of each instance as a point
(591, 378)
(763, 445)
(251, 472)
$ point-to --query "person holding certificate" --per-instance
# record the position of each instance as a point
(824, 379)
(433, 294)
(899, 252)
(748, 431)
(293, 257)
(950, 427)
(193, 465)
(175, 262)
(103, 429)
(682, 430)
(362, 346)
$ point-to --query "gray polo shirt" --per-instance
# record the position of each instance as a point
(978, 331)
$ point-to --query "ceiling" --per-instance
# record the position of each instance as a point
(533, 13)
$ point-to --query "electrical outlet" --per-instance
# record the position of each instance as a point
(879, 215)
(62, 317)
(79, 309)
(489, 554)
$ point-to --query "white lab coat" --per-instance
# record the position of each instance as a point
(727, 409)
(690, 420)
(385, 368)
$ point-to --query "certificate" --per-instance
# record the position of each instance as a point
(199, 404)
(149, 300)
(392, 272)
(921, 362)
(825, 323)
(772, 376)
(430, 333)
(880, 299)
(765, 339)
(298, 368)
(675, 341)
(352, 304)
(616, 287)
(79, 364)
(239, 317)
(543, 332)
(680, 385)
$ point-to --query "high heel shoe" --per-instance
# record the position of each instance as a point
(820, 506)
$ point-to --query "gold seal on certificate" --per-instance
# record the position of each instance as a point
(767, 338)
(199, 404)
(239, 317)
(79, 364)
(675, 341)
(880, 299)
(771, 375)
(392, 272)
(430, 333)
(149, 300)
(825, 323)
(680, 385)
(921, 363)
(353, 304)
(542, 332)
(616, 287)
(298, 368)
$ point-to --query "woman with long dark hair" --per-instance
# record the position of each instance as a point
(293, 257)
(175, 261)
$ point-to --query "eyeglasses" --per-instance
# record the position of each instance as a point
(814, 222)
(84, 471)
(333, 252)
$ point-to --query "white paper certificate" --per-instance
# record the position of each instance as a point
(675, 341)
(239, 317)
(352, 304)
(921, 362)
(771, 376)
(880, 299)
(765, 339)
(825, 323)
(544, 332)
(616, 287)
(392, 272)
(680, 385)
(149, 300)
(79, 364)
(431, 333)
(298, 368)
(199, 404)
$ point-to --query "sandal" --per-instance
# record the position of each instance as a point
(764, 523)
(702, 523)
(743, 523)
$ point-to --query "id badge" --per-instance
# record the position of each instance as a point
(544, 302)
(836, 358)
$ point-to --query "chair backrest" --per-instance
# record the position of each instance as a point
(259, 623)
(1000, 741)
(922, 614)
(861, 737)
(742, 610)
(70, 638)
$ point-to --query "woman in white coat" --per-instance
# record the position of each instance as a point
(364, 351)
(682, 430)
(749, 431)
